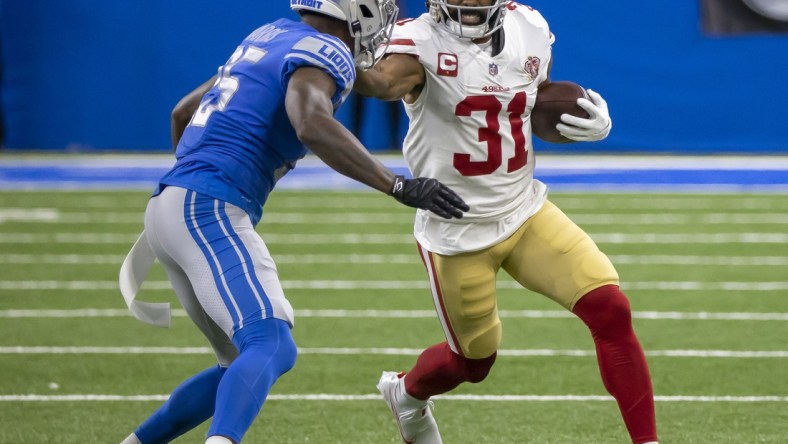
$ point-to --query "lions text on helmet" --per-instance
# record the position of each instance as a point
(370, 23)
(468, 21)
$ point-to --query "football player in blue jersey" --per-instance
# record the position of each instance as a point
(274, 98)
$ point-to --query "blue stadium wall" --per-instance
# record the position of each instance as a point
(104, 75)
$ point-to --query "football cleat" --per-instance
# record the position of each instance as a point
(414, 417)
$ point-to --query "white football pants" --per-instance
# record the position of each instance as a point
(219, 267)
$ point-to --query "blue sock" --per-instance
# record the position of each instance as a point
(267, 352)
(189, 405)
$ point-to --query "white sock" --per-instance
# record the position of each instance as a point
(217, 440)
(407, 401)
(131, 439)
(651, 442)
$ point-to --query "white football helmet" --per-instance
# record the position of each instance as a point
(370, 23)
(489, 18)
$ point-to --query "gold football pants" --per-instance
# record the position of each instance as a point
(548, 254)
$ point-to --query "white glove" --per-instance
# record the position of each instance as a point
(595, 127)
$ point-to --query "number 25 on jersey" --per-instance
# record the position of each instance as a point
(226, 84)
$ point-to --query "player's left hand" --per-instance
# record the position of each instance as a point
(596, 127)
(429, 194)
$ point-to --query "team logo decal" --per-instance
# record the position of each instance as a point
(532, 67)
(447, 64)
(493, 69)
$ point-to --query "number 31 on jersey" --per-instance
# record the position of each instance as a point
(491, 134)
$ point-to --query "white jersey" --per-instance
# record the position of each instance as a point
(470, 126)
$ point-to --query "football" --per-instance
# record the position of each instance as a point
(552, 100)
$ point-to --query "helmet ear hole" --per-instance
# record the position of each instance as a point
(365, 11)
(370, 23)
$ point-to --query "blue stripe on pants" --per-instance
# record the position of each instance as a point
(247, 259)
(229, 259)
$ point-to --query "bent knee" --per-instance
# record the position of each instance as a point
(288, 353)
(478, 369)
(606, 311)
(267, 339)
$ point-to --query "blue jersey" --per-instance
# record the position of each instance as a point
(240, 140)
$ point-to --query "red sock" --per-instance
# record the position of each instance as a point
(439, 370)
(621, 361)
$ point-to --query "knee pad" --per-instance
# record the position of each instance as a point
(478, 369)
(270, 337)
(606, 311)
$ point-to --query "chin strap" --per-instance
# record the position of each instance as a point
(354, 26)
(499, 39)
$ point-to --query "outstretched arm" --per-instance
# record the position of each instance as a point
(184, 110)
(309, 108)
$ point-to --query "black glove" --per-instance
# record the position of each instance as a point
(429, 194)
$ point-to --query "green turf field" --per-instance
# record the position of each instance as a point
(707, 276)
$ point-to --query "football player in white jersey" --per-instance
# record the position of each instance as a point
(468, 72)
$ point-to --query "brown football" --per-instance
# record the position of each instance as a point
(552, 100)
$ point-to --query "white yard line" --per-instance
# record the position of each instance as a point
(52, 285)
(700, 260)
(376, 398)
(53, 215)
(25, 350)
(407, 239)
(407, 314)
(626, 201)
(62, 259)
(551, 161)
(596, 201)
(398, 259)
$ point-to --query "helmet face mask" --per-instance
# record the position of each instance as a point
(486, 19)
(370, 23)
(372, 30)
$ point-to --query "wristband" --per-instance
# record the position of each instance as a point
(398, 186)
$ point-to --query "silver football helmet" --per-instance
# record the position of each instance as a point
(486, 19)
(370, 23)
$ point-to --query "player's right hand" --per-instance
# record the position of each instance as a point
(429, 194)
